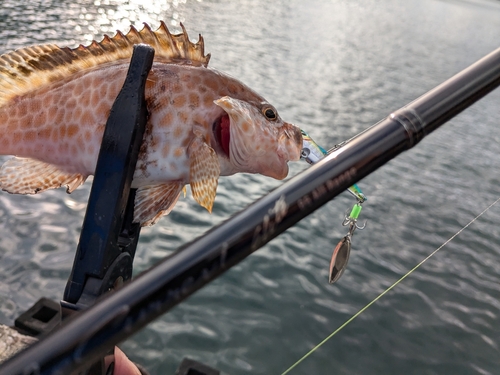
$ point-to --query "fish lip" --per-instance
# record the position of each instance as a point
(216, 129)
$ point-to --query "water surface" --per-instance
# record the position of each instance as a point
(334, 68)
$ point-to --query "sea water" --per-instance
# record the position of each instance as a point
(334, 68)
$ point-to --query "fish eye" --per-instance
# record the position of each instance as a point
(270, 113)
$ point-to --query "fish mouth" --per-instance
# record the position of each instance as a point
(222, 132)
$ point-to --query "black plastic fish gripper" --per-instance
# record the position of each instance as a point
(109, 238)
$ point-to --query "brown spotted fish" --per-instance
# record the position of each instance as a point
(54, 103)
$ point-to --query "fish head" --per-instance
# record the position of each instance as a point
(252, 138)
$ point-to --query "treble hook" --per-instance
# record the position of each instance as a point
(351, 219)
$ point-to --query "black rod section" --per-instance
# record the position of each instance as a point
(83, 338)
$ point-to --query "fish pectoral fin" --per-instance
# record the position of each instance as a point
(155, 201)
(30, 176)
(204, 172)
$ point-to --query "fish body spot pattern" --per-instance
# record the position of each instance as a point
(54, 104)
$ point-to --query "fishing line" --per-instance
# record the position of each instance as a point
(385, 291)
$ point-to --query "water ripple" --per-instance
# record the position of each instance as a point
(334, 68)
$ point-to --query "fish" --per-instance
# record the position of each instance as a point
(202, 123)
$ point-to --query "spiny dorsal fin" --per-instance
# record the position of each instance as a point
(28, 68)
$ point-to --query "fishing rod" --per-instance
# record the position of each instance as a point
(83, 338)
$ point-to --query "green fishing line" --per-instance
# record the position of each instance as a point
(385, 291)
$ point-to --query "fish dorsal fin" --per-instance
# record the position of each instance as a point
(28, 68)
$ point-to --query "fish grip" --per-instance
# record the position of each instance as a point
(108, 238)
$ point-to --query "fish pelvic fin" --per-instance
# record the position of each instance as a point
(29, 68)
(204, 172)
(154, 201)
(30, 176)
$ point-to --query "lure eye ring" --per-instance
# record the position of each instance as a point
(270, 113)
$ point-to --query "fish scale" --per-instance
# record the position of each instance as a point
(54, 104)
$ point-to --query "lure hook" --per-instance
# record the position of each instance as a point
(351, 219)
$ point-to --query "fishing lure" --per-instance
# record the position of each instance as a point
(312, 153)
